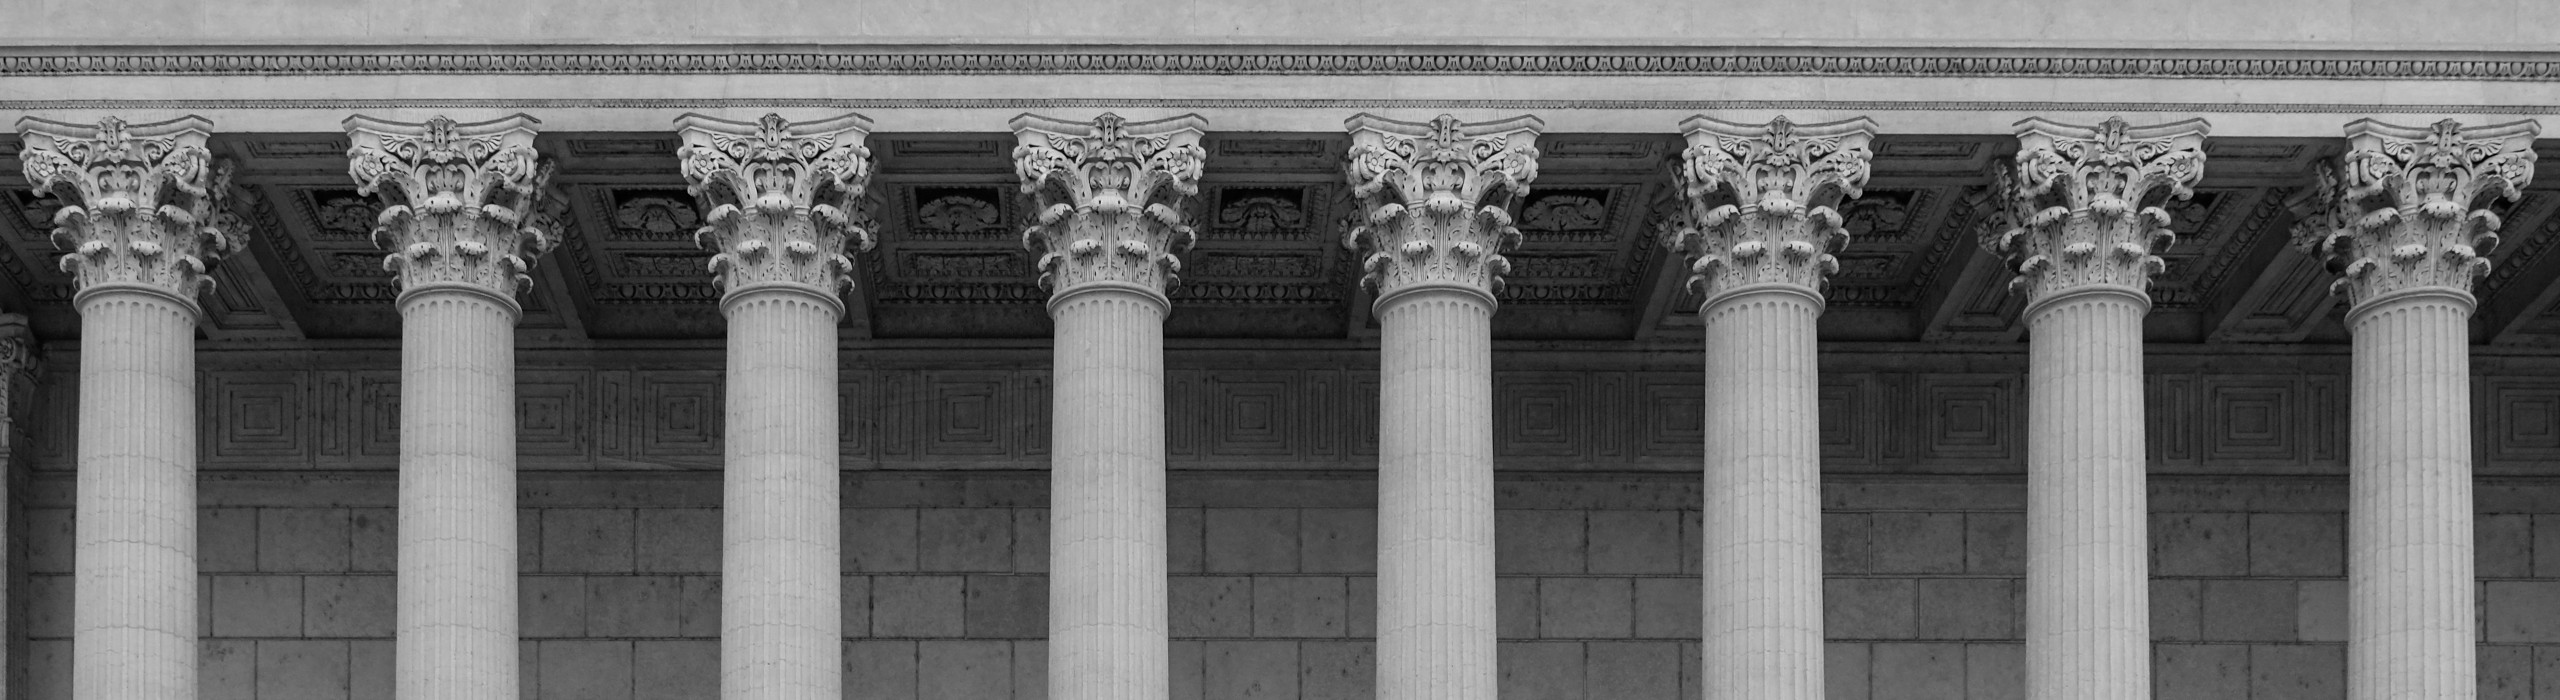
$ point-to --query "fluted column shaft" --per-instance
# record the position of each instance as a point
(781, 599)
(134, 618)
(2088, 586)
(1107, 611)
(1435, 496)
(2409, 509)
(457, 578)
(1762, 563)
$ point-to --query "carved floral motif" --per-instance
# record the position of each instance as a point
(2409, 207)
(650, 217)
(1763, 201)
(1110, 197)
(783, 199)
(2082, 203)
(1262, 217)
(1436, 199)
(458, 200)
(142, 205)
(956, 214)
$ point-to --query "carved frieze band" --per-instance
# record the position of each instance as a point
(460, 202)
(1111, 199)
(784, 200)
(2083, 203)
(1435, 200)
(1566, 61)
(2407, 208)
(1762, 201)
(143, 205)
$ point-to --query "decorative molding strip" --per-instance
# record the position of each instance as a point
(532, 104)
(1636, 61)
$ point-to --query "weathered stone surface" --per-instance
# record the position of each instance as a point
(918, 606)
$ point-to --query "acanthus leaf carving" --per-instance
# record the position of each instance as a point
(1435, 199)
(2082, 203)
(782, 201)
(1762, 201)
(461, 203)
(143, 206)
(1111, 199)
(2409, 208)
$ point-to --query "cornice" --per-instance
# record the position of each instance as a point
(1863, 61)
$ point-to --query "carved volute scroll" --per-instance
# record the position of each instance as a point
(1762, 201)
(2407, 207)
(2083, 203)
(143, 204)
(1110, 199)
(1436, 199)
(783, 200)
(458, 200)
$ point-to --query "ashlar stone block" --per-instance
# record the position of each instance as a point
(584, 670)
(879, 669)
(1211, 606)
(1252, 540)
(2199, 671)
(1869, 608)
(677, 540)
(965, 539)
(586, 540)
(302, 669)
(2199, 544)
(1914, 671)
(1541, 670)
(2297, 544)
(1256, 670)
(917, 606)
(1337, 670)
(879, 540)
(675, 669)
(1632, 669)
(348, 606)
(963, 670)
(1299, 606)
(1634, 542)
(1586, 608)
(1538, 541)
(303, 539)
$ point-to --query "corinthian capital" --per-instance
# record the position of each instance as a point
(1762, 201)
(783, 198)
(1110, 198)
(1436, 199)
(143, 203)
(2083, 203)
(2406, 208)
(458, 200)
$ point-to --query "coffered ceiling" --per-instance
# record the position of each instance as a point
(1270, 262)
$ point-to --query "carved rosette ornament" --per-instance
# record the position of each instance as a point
(784, 199)
(2083, 203)
(459, 201)
(1436, 199)
(1762, 201)
(2407, 208)
(1111, 199)
(143, 203)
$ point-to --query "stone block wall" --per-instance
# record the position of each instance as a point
(1273, 587)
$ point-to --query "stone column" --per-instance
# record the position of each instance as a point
(1760, 223)
(140, 206)
(2080, 227)
(1436, 200)
(2405, 227)
(457, 203)
(782, 201)
(1111, 200)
